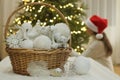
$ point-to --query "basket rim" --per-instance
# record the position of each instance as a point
(38, 51)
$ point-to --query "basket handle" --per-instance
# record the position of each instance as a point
(34, 3)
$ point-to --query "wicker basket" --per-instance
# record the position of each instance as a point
(20, 58)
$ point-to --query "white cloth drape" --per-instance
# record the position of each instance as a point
(96, 72)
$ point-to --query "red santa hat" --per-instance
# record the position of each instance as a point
(97, 24)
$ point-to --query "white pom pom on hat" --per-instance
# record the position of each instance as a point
(97, 24)
(99, 36)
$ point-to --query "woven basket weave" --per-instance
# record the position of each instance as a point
(20, 58)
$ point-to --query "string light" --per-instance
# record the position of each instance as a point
(54, 18)
(29, 21)
(78, 46)
(33, 8)
(82, 23)
(19, 22)
(51, 20)
(75, 32)
(11, 30)
(35, 15)
(57, 15)
(17, 19)
(60, 6)
(69, 18)
(25, 21)
(82, 48)
(77, 22)
(26, 0)
(39, 1)
(83, 29)
(81, 9)
(75, 49)
(33, 0)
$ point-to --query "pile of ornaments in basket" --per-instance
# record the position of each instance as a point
(40, 37)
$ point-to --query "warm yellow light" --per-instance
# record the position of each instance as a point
(78, 8)
(17, 19)
(75, 49)
(39, 11)
(83, 29)
(81, 9)
(79, 32)
(11, 30)
(57, 15)
(33, 8)
(69, 4)
(78, 46)
(33, 0)
(82, 23)
(19, 22)
(82, 48)
(51, 20)
(35, 15)
(25, 21)
(54, 17)
(29, 21)
(60, 6)
(69, 18)
(77, 22)
(26, 0)
(8, 34)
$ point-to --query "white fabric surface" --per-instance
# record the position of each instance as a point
(97, 72)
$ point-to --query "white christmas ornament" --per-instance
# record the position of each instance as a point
(26, 26)
(33, 33)
(38, 68)
(81, 65)
(14, 41)
(27, 44)
(61, 29)
(23, 30)
(42, 42)
(56, 72)
(60, 34)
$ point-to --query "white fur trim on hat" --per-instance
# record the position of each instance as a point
(99, 36)
(91, 25)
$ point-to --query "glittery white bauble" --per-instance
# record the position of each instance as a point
(56, 72)
(27, 44)
(42, 42)
(81, 65)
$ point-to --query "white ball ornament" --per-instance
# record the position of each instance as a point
(81, 65)
(42, 42)
(62, 29)
(27, 44)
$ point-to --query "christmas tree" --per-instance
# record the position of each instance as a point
(72, 12)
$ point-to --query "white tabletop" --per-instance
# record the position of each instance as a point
(97, 72)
